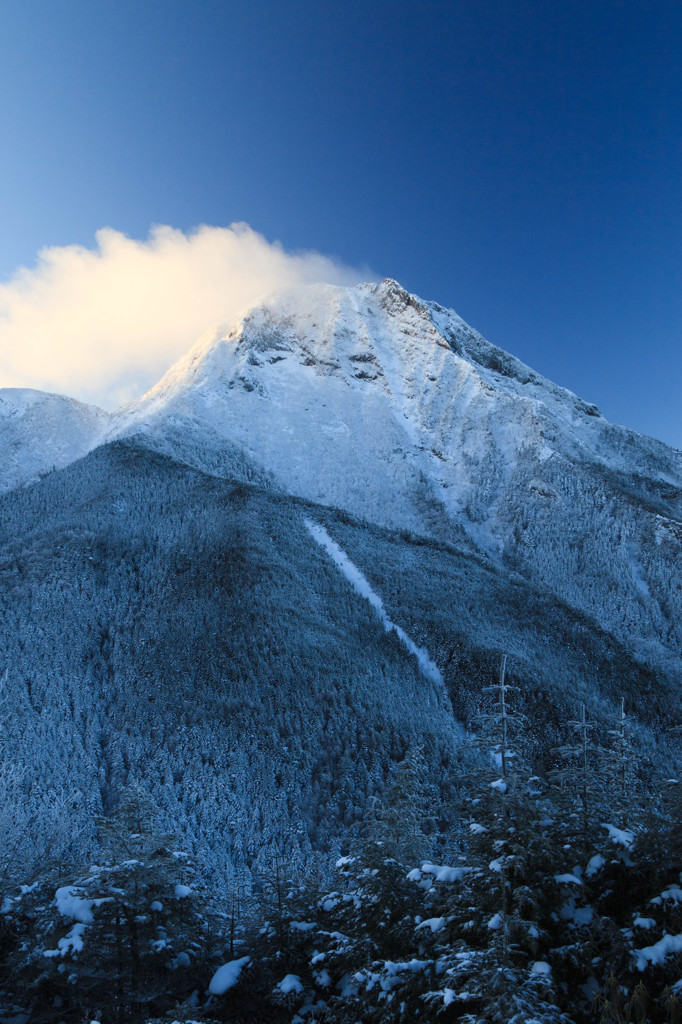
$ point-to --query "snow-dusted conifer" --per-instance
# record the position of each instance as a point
(623, 761)
(495, 725)
(497, 914)
(583, 777)
(407, 802)
(125, 936)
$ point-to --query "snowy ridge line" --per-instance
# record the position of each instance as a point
(361, 584)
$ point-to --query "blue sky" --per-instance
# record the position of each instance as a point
(518, 161)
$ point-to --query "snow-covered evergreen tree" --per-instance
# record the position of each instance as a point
(124, 937)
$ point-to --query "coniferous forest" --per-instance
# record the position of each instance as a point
(550, 897)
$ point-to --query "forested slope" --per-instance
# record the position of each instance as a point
(163, 626)
(181, 631)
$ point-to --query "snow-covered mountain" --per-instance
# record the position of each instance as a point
(371, 400)
(202, 602)
(40, 432)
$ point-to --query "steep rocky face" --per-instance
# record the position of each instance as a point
(354, 382)
(370, 400)
(40, 432)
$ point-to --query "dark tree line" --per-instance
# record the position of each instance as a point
(552, 898)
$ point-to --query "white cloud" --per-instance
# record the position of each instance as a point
(103, 324)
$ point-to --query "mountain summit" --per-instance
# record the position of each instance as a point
(371, 400)
(394, 409)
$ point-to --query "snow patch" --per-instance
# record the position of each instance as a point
(621, 837)
(436, 924)
(594, 865)
(71, 943)
(227, 976)
(71, 904)
(290, 983)
(444, 873)
(360, 583)
(657, 953)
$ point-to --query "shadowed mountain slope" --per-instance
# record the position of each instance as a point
(162, 625)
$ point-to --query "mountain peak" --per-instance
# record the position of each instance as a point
(389, 407)
(393, 295)
(373, 400)
(40, 431)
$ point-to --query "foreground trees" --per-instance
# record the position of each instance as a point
(114, 939)
(542, 900)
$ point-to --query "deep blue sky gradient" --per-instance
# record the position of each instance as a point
(518, 161)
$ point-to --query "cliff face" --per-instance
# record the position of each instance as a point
(370, 400)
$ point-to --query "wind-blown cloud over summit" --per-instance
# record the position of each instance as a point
(103, 324)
